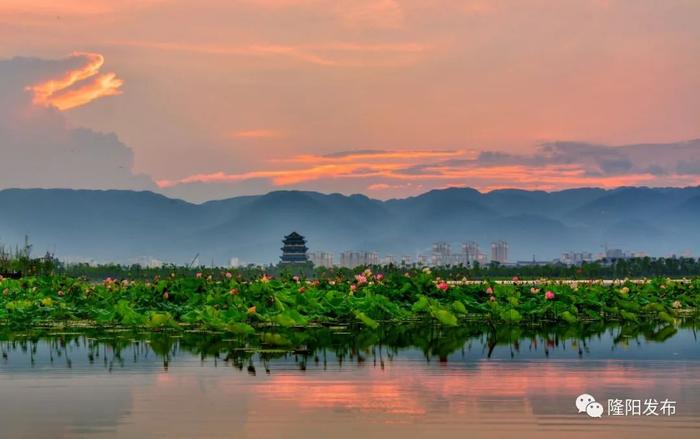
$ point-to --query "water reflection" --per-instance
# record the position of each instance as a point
(415, 381)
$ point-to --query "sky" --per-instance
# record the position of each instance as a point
(391, 98)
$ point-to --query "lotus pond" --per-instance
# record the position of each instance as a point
(224, 301)
(407, 380)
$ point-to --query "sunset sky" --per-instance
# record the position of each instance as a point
(390, 98)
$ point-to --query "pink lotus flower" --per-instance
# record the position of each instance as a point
(442, 285)
(361, 279)
(534, 290)
(353, 288)
(489, 290)
(198, 275)
(301, 290)
(166, 295)
(549, 295)
(516, 278)
(492, 298)
(296, 278)
(379, 277)
(228, 275)
(265, 278)
(233, 291)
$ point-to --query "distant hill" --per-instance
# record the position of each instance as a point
(122, 226)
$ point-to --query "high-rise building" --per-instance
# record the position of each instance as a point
(471, 252)
(370, 258)
(351, 259)
(499, 251)
(441, 254)
(321, 259)
(406, 260)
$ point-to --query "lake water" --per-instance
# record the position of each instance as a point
(408, 382)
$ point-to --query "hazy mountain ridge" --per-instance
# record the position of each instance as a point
(124, 225)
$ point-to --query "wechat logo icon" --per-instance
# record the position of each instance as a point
(586, 403)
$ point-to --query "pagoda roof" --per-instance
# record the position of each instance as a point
(294, 235)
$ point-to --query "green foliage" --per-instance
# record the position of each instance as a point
(228, 302)
(511, 316)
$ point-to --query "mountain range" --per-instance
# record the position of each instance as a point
(123, 226)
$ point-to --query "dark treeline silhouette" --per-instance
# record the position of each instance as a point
(623, 268)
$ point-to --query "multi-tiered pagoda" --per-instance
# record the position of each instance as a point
(294, 250)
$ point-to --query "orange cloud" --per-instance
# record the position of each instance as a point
(71, 90)
(413, 170)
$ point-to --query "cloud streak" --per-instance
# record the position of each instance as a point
(332, 54)
(552, 166)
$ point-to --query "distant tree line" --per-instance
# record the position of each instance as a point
(19, 262)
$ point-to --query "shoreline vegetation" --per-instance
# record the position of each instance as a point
(249, 301)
